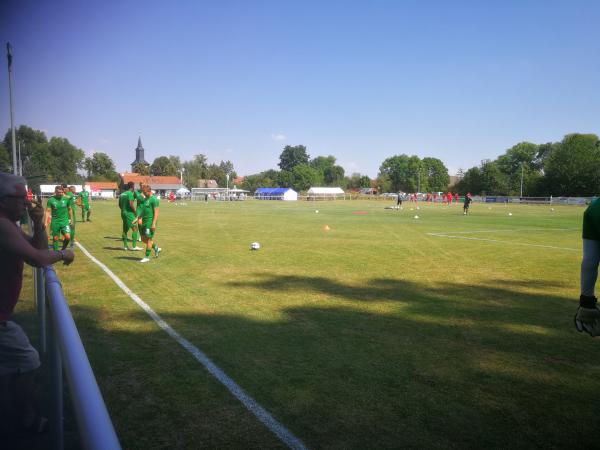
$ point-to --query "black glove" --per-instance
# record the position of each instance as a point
(588, 316)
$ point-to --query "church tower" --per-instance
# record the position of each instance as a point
(139, 155)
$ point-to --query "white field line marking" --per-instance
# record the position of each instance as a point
(259, 412)
(505, 242)
(509, 231)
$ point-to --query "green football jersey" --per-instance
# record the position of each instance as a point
(60, 209)
(139, 197)
(591, 221)
(124, 200)
(85, 197)
(72, 199)
(148, 208)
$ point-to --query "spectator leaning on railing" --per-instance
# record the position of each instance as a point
(18, 359)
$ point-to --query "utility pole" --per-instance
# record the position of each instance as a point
(12, 124)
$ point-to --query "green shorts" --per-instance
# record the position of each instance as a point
(59, 228)
(85, 207)
(128, 219)
(147, 231)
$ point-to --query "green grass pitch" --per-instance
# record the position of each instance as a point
(386, 331)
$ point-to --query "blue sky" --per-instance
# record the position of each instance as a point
(238, 80)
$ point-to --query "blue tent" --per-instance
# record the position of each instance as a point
(275, 194)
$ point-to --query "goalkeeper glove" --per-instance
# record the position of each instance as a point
(588, 316)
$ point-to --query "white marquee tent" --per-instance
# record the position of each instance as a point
(325, 193)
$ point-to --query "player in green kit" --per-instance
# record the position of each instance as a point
(71, 193)
(128, 217)
(59, 216)
(139, 199)
(149, 216)
(84, 198)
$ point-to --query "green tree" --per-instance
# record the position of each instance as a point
(4, 159)
(405, 173)
(470, 182)
(573, 167)
(195, 170)
(31, 141)
(162, 166)
(293, 156)
(66, 160)
(285, 178)
(357, 181)
(519, 160)
(176, 162)
(262, 179)
(436, 173)
(493, 181)
(141, 168)
(226, 168)
(100, 167)
(304, 177)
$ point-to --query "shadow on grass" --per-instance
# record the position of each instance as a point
(113, 248)
(388, 364)
(130, 258)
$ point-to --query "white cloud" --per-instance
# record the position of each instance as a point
(278, 137)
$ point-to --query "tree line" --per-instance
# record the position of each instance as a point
(56, 160)
(570, 167)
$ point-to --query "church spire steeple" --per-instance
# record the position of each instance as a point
(139, 154)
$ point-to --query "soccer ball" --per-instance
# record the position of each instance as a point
(254, 246)
(317, 211)
(416, 217)
(510, 214)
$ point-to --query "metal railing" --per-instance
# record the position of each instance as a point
(60, 340)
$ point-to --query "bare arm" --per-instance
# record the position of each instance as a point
(12, 240)
(39, 239)
(155, 218)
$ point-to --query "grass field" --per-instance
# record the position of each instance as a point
(386, 331)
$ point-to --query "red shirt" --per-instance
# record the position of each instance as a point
(11, 280)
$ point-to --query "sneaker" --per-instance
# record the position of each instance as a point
(145, 260)
(126, 249)
(136, 249)
(157, 250)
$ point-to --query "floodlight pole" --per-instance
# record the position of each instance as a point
(521, 180)
(20, 161)
(12, 125)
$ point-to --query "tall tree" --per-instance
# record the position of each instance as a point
(195, 170)
(304, 176)
(331, 174)
(293, 156)
(162, 166)
(176, 162)
(66, 160)
(405, 173)
(31, 141)
(100, 167)
(573, 167)
(519, 163)
(436, 173)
